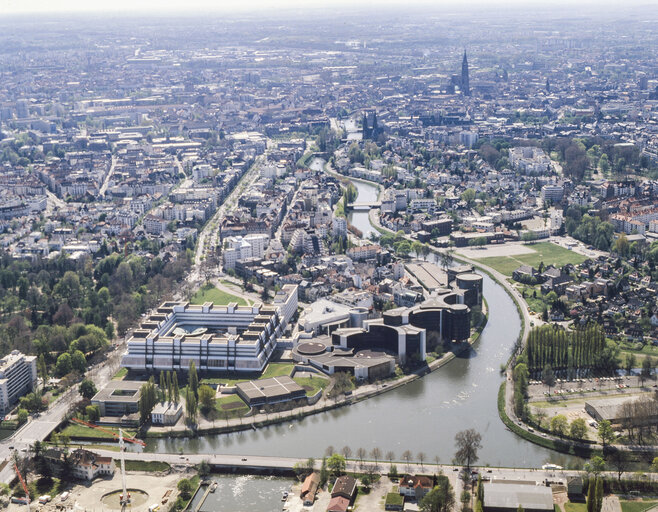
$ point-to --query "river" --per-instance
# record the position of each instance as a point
(422, 416)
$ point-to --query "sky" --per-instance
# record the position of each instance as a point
(128, 6)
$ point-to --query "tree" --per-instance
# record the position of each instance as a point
(407, 457)
(376, 454)
(147, 399)
(204, 468)
(630, 362)
(654, 465)
(22, 416)
(468, 443)
(87, 389)
(591, 496)
(468, 196)
(440, 499)
(621, 245)
(346, 451)
(598, 495)
(446, 257)
(63, 365)
(193, 379)
(559, 424)
(175, 390)
(336, 464)
(361, 454)
(206, 398)
(421, 458)
(620, 460)
(605, 432)
(190, 406)
(185, 488)
(595, 466)
(162, 388)
(93, 412)
(304, 469)
(647, 366)
(42, 368)
(78, 361)
(170, 393)
(578, 428)
(548, 377)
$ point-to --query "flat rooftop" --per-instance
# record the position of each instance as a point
(270, 388)
(119, 391)
(510, 496)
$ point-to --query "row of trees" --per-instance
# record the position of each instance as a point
(581, 348)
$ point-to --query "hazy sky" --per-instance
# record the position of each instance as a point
(127, 6)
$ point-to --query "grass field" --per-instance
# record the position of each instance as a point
(146, 465)
(120, 374)
(212, 294)
(311, 385)
(74, 431)
(231, 406)
(637, 506)
(547, 252)
(575, 507)
(271, 370)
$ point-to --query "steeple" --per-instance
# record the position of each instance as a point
(465, 87)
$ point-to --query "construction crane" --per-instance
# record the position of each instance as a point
(27, 493)
(124, 499)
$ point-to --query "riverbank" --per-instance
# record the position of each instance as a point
(360, 394)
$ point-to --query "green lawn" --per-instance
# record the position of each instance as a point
(536, 304)
(231, 406)
(393, 498)
(547, 252)
(636, 506)
(120, 374)
(74, 431)
(212, 294)
(146, 465)
(271, 370)
(575, 507)
(311, 385)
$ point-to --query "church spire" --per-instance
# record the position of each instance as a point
(465, 86)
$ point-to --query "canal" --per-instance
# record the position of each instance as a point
(422, 416)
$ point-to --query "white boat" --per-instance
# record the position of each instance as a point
(551, 466)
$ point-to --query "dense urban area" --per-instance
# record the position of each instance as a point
(330, 260)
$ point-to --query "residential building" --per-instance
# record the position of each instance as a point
(18, 376)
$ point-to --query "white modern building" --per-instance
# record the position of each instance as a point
(18, 376)
(240, 248)
(286, 300)
(530, 160)
(216, 338)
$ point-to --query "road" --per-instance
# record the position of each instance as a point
(39, 428)
(106, 181)
(353, 465)
(208, 236)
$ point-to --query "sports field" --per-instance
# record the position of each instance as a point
(547, 252)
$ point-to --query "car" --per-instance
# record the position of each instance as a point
(244, 460)
(455, 469)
